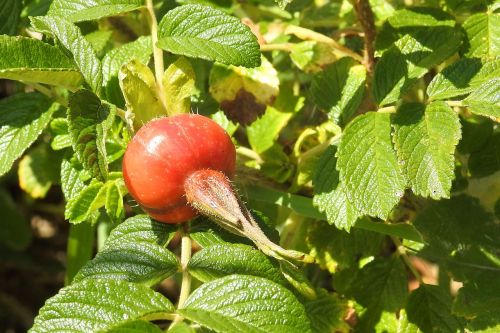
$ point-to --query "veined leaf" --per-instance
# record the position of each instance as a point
(485, 100)
(140, 49)
(139, 88)
(263, 132)
(382, 284)
(219, 260)
(70, 36)
(114, 201)
(9, 16)
(31, 60)
(178, 86)
(22, 119)
(410, 58)
(425, 140)
(462, 77)
(72, 177)
(89, 120)
(101, 41)
(99, 305)
(368, 165)
(339, 89)
(429, 307)
(83, 10)
(204, 32)
(142, 262)
(87, 201)
(141, 228)
(138, 326)
(483, 35)
(240, 303)
(329, 193)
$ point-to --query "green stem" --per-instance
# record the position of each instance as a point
(49, 93)
(249, 153)
(402, 253)
(287, 47)
(157, 52)
(186, 277)
(308, 34)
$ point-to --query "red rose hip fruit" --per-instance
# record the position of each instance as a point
(164, 153)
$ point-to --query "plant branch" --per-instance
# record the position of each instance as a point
(157, 52)
(365, 16)
(186, 277)
(308, 34)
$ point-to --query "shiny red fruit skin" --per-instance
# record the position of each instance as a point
(164, 152)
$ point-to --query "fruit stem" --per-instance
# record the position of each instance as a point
(212, 194)
(186, 277)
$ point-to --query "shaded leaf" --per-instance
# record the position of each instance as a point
(179, 85)
(9, 16)
(486, 161)
(339, 89)
(15, 230)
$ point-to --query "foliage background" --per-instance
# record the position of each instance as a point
(367, 136)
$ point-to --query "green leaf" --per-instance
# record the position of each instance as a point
(140, 50)
(311, 56)
(429, 308)
(483, 35)
(243, 93)
(462, 77)
(15, 231)
(114, 201)
(410, 58)
(141, 228)
(89, 120)
(32, 60)
(141, 92)
(142, 262)
(137, 326)
(38, 170)
(326, 313)
(79, 249)
(9, 16)
(88, 200)
(208, 33)
(82, 10)
(263, 132)
(98, 305)
(382, 284)
(404, 326)
(330, 194)
(178, 86)
(22, 119)
(336, 249)
(368, 165)
(339, 89)
(72, 177)
(219, 260)
(476, 131)
(486, 161)
(101, 41)
(70, 36)
(421, 17)
(485, 100)
(456, 222)
(206, 233)
(425, 140)
(239, 303)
